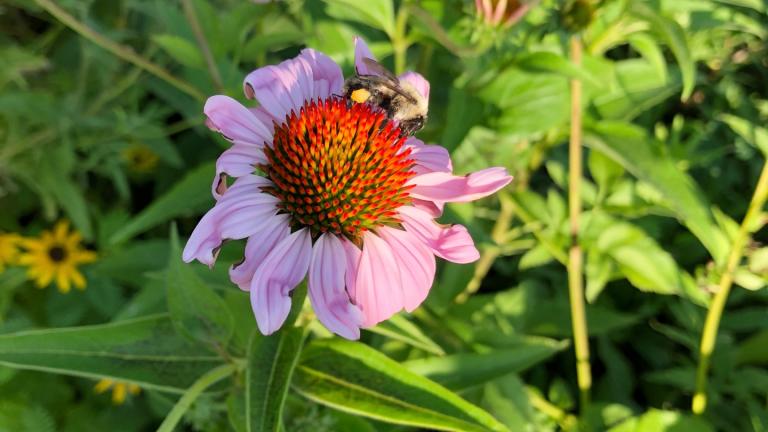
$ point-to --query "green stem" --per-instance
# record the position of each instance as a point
(124, 52)
(489, 254)
(566, 421)
(575, 255)
(202, 43)
(185, 402)
(715, 312)
(400, 41)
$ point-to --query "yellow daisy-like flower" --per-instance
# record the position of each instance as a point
(9, 249)
(119, 389)
(140, 158)
(55, 255)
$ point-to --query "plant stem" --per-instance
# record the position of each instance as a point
(202, 43)
(566, 421)
(185, 402)
(489, 254)
(399, 40)
(124, 52)
(575, 255)
(715, 312)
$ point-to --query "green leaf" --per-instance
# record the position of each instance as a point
(598, 272)
(649, 49)
(127, 263)
(604, 170)
(636, 252)
(54, 177)
(663, 421)
(629, 146)
(20, 417)
(674, 35)
(378, 14)
(271, 361)
(753, 134)
(464, 370)
(508, 400)
(636, 88)
(529, 102)
(188, 196)
(182, 50)
(146, 351)
(196, 310)
(545, 61)
(754, 350)
(355, 378)
(401, 329)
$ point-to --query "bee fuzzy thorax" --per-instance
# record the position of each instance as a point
(400, 100)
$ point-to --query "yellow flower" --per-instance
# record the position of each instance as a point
(55, 255)
(119, 389)
(9, 249)
(140, 158)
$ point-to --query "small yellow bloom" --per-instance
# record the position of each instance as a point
(55, 255)
(140, 158)
(9, 249)
(119, 389)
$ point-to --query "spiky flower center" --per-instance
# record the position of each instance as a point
(339, 168)
(57, 253)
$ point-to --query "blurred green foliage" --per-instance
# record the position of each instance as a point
(675, 104)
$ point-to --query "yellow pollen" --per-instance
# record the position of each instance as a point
(360, 95)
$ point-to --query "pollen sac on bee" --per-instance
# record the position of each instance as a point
(360, 95)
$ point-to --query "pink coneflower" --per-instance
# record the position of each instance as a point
(502, 12)
(340, 195)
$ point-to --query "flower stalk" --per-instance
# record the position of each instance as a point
(124, 52)
(202, 42)
(575, 254)
(716, 308)
(190, 396)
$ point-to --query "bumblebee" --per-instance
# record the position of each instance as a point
(400, 100)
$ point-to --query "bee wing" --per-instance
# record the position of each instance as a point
(380, 70)
(388, 83)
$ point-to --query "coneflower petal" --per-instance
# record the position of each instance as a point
(283, 268)
(327, 278)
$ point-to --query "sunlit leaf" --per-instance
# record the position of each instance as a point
(146, 351)
(355, 378)
(271, 360)
(463, 370)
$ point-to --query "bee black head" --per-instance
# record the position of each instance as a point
(412, 125)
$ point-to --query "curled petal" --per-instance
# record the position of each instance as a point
(433, 208)
(237, 161)
(327, 291)
(418, 82)
(282, 269)
(446, 187)
(452, 243)
(362, 51)
(236, 122)
(428, 157)
(238, 214)
(416, 262)
(378, 292)
(274, 230)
